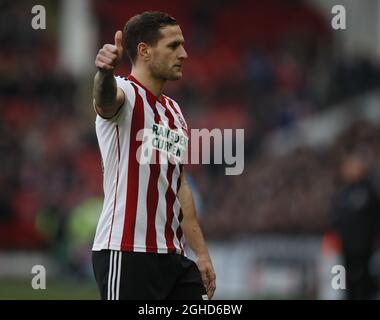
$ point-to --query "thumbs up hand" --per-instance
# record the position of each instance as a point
(110, 55)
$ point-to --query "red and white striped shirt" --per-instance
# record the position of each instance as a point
(141, 211)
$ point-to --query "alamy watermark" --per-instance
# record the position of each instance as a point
(39, 280)
(39, 20)
(338, 21)
(338, 281)
(198, 146)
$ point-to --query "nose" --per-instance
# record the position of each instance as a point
(183, 54)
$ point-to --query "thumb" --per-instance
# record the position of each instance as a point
(119, 40)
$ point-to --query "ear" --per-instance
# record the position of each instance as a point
(143, 50)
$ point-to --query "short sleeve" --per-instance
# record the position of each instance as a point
(129, 98)
(128, 90)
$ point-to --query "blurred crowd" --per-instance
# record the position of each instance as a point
(290, 194)
(49, 156)
(243, 72)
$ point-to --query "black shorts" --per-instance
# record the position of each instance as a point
(146, 276)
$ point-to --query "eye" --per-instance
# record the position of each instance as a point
(173, 46)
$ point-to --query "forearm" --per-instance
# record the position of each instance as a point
(190, 225)
(195, 239)
(105, 90)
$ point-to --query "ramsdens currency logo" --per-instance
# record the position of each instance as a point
(170, 141)
(160, 144)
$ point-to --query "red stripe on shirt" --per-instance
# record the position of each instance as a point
(179, 232)
(170, 199)
(152, 202)
(133, 174)
(169, 115)
(178, 114)
(170, 195)
(152, 194)
(172, 105)
(117, 183)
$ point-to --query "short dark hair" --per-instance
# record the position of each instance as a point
(144, 27)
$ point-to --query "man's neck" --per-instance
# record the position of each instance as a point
(154, 85)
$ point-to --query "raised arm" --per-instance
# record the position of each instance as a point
(108, 97)
(194, 237)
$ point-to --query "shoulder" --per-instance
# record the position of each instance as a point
(174, 105)
(125, 109)
(171, 100)
(129, 92)
(177, 111)
(124, 84)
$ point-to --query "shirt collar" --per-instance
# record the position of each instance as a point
(151, 96)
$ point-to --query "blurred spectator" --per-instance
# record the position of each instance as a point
(357, 221)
